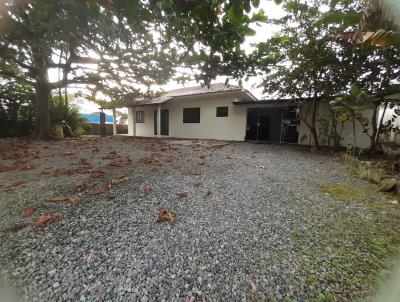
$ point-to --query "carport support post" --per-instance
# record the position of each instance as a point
(159, 121)
(102, 123)
(131, 121)
(114, 121)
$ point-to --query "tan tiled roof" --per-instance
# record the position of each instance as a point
(188, 91)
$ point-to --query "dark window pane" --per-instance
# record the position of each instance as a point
(222, 111)
(191, 115)
(155, 122)
(139, 116)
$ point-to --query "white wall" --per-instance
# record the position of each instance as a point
(394, 135)
(232, 127)
(147, 128)
(362, 139)
(131, 122)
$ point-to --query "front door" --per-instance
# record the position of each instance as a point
(155, 122)
(164, 122)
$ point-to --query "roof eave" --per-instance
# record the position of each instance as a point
(195, 95)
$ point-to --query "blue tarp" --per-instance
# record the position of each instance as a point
(95, 118)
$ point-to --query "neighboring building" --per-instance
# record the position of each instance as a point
(228, 112)
(94, 118)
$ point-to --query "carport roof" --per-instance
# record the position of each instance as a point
(278, 101)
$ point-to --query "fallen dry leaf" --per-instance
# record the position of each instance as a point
(41, 220)
(45, 172)
(150, 161)
(117, 181)
(100, 190)
(84, 162)
(112, 155)
(28, 212)
(120, 163)
(4, 168)
(17, 227)
(16, 184)
(80, 187)
(207, 194)
(22, 166)
(108, 278)
(263, 167)
(182, 194)
(69, 198)
(58, 172)
(228, 157)
(147, 189)
(166, 215)
(190, 173)
(198, 184)
(98, 173)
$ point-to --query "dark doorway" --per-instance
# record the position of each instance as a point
(155, 122)
(164, 122)
(290, 125)
(264, 124)
(252, 125)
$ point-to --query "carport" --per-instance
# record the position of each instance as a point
(269, 121)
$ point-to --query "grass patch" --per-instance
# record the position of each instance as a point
(350, 251)
(355, 167)
(341, 191)
(279, 257)
(296, 234)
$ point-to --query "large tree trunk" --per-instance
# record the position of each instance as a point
(354, 136)
(313, 122)
(378, 131)
(374, 120)
(311, 125)
(315, 138)
(42, 105)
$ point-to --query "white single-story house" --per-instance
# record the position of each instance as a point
(228, 112)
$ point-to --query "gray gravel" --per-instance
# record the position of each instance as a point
(235, 245)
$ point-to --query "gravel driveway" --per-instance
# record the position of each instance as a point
(255, 225)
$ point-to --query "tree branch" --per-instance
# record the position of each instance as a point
(5, 55)
(80, 80)
(16, 77)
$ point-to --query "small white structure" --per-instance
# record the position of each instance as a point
(228, 112)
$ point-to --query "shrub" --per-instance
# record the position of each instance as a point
(61, 111)
(17, 106)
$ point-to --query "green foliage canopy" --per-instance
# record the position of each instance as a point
(120, 47)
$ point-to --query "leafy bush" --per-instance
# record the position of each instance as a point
(61, 111)
(17, 108)
(79, 131)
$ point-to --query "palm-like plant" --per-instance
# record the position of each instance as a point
(61, 111)
(380, 24)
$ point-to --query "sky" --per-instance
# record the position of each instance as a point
(263, 32)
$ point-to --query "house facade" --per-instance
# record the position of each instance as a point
(227, 112)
